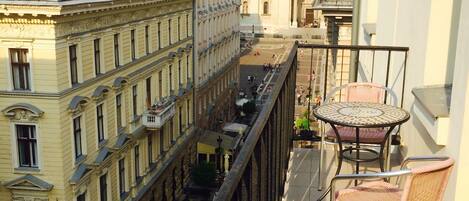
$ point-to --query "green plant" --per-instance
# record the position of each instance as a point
(204, 174)
(249, 107)
(302, 124)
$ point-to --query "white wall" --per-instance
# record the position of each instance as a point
(438, 38)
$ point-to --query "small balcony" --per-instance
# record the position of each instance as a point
(158, 114)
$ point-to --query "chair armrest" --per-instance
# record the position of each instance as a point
(371, 176)
(422, 159)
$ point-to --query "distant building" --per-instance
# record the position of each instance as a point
(96, 100)
(217, 49)
(268, 16)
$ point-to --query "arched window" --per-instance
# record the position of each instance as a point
(266, 8)
(245, 7)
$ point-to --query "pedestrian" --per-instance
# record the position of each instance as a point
(249, 78)
(273, 56)
(299, 99)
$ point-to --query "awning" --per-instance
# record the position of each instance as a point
(228, 142)
(235, 127)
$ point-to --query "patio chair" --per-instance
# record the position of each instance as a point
(357, 92)
(422, 183)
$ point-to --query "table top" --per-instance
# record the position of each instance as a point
(361, 114)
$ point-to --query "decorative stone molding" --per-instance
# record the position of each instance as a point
(100, 92)
(23, 112)
(119, 83)
(77, 103)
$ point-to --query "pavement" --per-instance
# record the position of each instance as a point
(302, 178)
(251, 64)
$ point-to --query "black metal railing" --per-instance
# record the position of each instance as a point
(259, 170)
(385, 65)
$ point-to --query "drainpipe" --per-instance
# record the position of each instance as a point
(355, 29)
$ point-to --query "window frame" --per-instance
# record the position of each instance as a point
(135, 101)
(119, 112)
(137, 163)
(121, 173)
(117, 52)
(147, 39)
(97, 58)
(101, 136)
(73, 59)
(16, 154)
(74, 131)
(20, 65)
(106, 189)
(133, 53)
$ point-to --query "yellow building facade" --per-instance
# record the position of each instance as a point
(217, 45)
(96, 100)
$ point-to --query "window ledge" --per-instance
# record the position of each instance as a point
(432, 108)
(102, 144)
(27, 170)
(80, 159)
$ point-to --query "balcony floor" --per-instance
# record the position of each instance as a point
(302, 178)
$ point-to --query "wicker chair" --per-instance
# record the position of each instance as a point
(423, 183)
(357, 92)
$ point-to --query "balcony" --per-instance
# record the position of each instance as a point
(267, 167)
(155, 117)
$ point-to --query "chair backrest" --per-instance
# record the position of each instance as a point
(428, 183)
(363, 92)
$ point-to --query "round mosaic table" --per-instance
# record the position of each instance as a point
(361, 115)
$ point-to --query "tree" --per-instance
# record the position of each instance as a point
(204, 174)
(249, 107)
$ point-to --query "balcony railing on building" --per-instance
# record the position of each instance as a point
(258, 172)
(158, 114)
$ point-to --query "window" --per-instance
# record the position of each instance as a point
(187, 112)
(171, 129)
(122, 177)
(266, 8)
(137, 162)
(27, 145)
(159, 35)
(187, 68)
(100, 122)
(169, 32)
(81, 197)
(119, 110)
(97, 57)
(72, 50)
(148, 90)
(201, 157)
(161, 134)
(180, 120)
(116, 50)
(245, 7)
(150, 149)
(160, 84)
(103, 187)
(132, 43)
(20, 69)
(77, 136)
(170, 77)
(179, 72)
(147, 44)
(179, 28)
(187, 25)
(134, 101)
